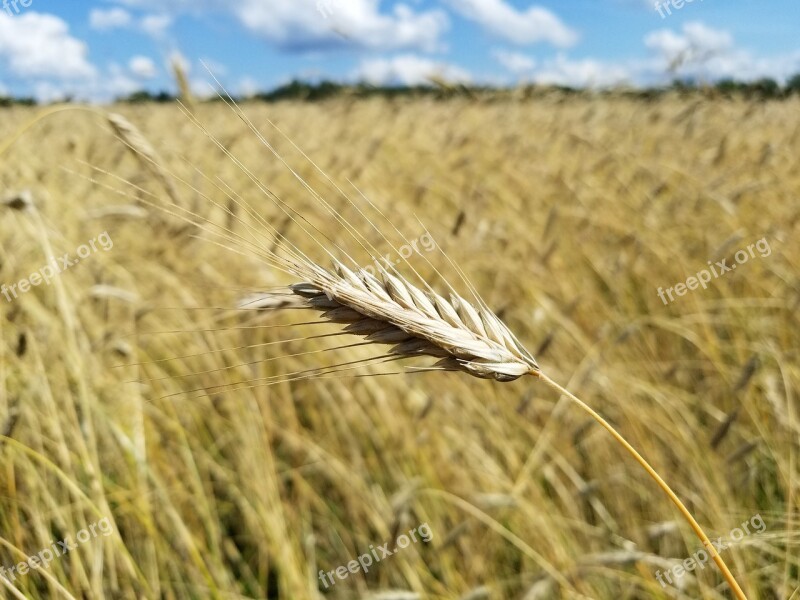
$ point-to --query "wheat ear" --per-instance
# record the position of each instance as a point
(393, 311)
(465, 338)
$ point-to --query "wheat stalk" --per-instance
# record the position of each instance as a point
(138, 144)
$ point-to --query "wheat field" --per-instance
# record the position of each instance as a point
(142, 405)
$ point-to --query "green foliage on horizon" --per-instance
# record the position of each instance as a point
(760, 89)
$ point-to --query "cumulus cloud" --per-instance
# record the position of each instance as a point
(112, 83)
(173, 5)
(38, 50)
(113, 18)
(514, 61)
(308, 24)
(155, 25)
(536, 24)
(702, 52)
(408, 69)
(39, 45)
(744, 66)
(582, 73)
(247, 87)
(695, 50)
(142, 67)
(695, 45)
(115, 82)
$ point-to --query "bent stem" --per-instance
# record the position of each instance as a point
(661, 483)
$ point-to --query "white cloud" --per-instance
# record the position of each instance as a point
(704, 53)
(111, 84)
(47, 91)
(536, 24)
(514, 61)
(582, 73)
(202, 88)
(247, 87)
(112, 18)
(300, 25)
(39, 45)
(743, 66)
(697, 44)
(408, 69)
(142, 67)
(155, 25)
(174, 5)
(308, 25)
(50, 64)
(116, 82)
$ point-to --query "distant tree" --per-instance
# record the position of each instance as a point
(793, 85)
(295, 90)
(325, 89)
(684, 86)
(143, 96)
(8, 101)
(301, 90)
(163, 96)
(764, 88)
(729, 87)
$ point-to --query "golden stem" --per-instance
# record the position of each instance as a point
(661, 483)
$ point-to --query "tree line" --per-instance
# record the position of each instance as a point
(760, 89)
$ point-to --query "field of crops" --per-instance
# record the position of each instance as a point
(181, 446)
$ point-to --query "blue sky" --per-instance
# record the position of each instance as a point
(99, 49)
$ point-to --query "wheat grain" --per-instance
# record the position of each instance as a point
(393, 311)
(143, 150)
(18, 201)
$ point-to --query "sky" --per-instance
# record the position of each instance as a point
(101, 49)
